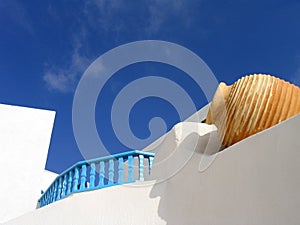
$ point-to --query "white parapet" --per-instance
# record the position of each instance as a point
(255, 181)
(24, 141)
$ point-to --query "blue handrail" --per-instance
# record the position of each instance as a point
(97, 173)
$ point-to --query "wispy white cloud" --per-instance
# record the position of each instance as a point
(116, 19)
(104, 16)
(18, 14)
(162, 11)
(64, 80)
(151, 17)
(57, 80)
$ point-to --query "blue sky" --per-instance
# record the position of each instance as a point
(45, 46)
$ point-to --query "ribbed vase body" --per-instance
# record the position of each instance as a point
(252, 104)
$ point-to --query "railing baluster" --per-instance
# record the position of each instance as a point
(101, 174)
(51, 191)
(92, 175)
(55, 191)
(46, 200)
(70, 181)
(121, 171)
(43, 200)
(130, 169)
(48, 194)
(150, 160)
(48, 197)
(59, 188)
(111, 172)
(76, 179)
(141, 167)
(65, 183)
(83, 177)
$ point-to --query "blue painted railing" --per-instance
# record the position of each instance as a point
(98, 173)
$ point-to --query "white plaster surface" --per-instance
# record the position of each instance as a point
(197, 117)
(24, 141)
(254, 182)
(47, 179)
(179, 146)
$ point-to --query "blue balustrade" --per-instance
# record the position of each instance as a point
(92, 175)
(130, 169)
(141, 167)
(102, 174)
(59, 188)
(83, 177)
(70, 181)
(96, 174)
(76, 179)
(121, 171)
(111, 172)
(151, 158)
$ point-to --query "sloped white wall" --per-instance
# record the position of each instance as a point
(255, 181)
(24, 141)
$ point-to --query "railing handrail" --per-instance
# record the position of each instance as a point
(124, 155)
(89, 161)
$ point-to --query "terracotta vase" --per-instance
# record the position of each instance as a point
(252, 104)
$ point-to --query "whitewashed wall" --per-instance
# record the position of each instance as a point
(255, 181)
(47, 179)
(24, 141)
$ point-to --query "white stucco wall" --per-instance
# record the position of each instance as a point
(197, 117)
(24, 141)
(47, 178)
(255, 181)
